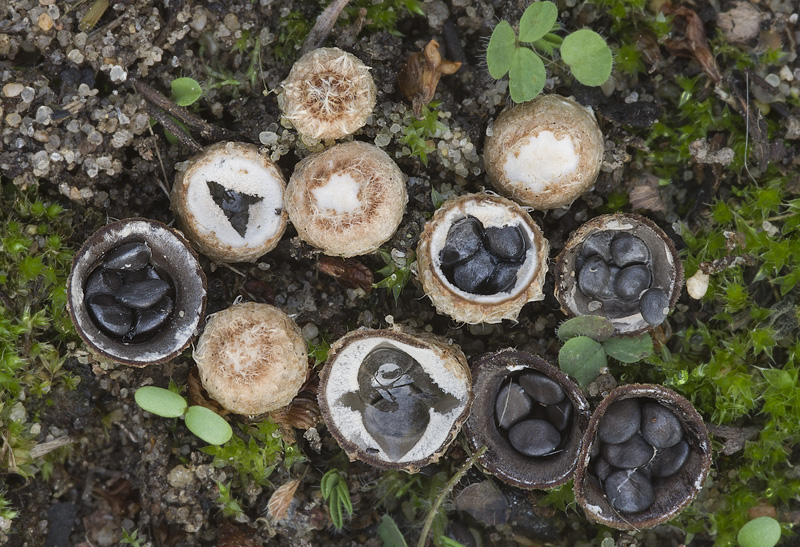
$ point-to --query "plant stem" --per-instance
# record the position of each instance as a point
(443, 494)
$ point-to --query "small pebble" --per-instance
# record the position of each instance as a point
(669, 461)
(534, 437)
(542, 388)
(628, 249)
(631, 281)
(463, 240)
(633, 453)
(629, 491)
(12, 90)
(505, 243)
(593, 277)
(620, 422)
(660, 426)
(512, 405)
(654, 306)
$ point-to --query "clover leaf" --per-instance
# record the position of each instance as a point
(537, 20)
(501, 50)
(588, 57)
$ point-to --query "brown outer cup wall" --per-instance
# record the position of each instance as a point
(675, 492)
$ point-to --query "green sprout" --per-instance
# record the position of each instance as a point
(418, 133)
(589, 340)
(760, 532)
(205, 423)
(185, 91)
(396, 275)
(335, 492)
(584, 51)
(230, 506)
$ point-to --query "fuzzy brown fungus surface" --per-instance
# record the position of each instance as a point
(251, 358)
(328, 94)
(347, 200)
(544, 153)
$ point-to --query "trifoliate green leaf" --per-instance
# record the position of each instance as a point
(526, 76)
(539, 19)
(501, 50)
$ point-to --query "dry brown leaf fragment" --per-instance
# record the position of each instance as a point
(420, 76)
(279, 502)
(691, 39)
(350, 273)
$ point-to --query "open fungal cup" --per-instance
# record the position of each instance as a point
(646, 455)
(544, 153)
(136, 292)
(347, 200)
(622, 267)
(251, 358)
(229, 202)
(394, 399)
(481, 259)
(328, 94)
(531, 417)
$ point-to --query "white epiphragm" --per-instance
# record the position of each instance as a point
(540, 160)
(244, 175)
(339, 194)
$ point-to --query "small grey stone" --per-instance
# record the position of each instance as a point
(620, 422)
(669, 461)
(631, 281)
(512, 405)
(128, 256)
(629, 491)
(593, 276)
(654, 306)
(470, 274)
(633, 453)
(660, 426)
(143, 294)
(627, 249)
(598, 244)
(505, 243)
(542, 388)
(534, 437)
(464, 238)
(560, 414)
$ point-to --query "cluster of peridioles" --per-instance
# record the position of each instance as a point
(396, 398)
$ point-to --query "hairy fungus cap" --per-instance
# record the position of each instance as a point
(347, 200)
(328, 94)
(136, 292)
(486, 284)
(251, 358)
(229, 202)
(505, 399)
(633, 304)
(544, 153)
(668, 493)
(394, 399)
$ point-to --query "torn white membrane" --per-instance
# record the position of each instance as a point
(242, 173)
(343, 379)
(541, 160)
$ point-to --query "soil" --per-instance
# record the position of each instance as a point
(80, 132)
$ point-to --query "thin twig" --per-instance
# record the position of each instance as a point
(164, 171)
(443, 494)
(172, 126)
(322, 28)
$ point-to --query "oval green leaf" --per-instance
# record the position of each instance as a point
(582, 358)
(501, 50)
(760, 532)
(160, 401)
(629, 349)
(208, 425)
(588, 56)
(186, 91)
(526, 75)
(595, 327)
(539, 19)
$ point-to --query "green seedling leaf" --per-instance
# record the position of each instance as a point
(760, 532)
(160, 401)
(588, 56)
(445, 541)
(390, 534)
(526, 75)
(186, 91)
(501, 50)
(538, 20)
(208, 425)
(629, 349)
(582, 358)
(595, 327)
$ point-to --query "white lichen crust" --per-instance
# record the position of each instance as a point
(251, 358)
(347, 200)
(544, 153)
(242, 168)
(328, 94)
(444, 366)
(471, 308)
